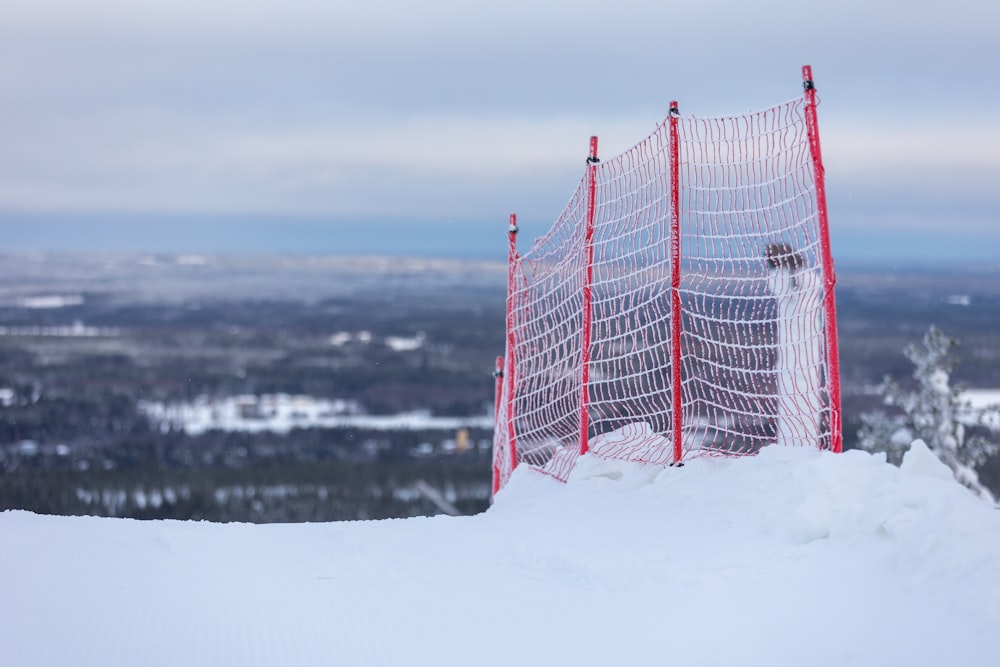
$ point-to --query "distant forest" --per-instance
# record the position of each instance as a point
(73, 372)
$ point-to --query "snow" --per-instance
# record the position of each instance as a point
(792, 557)
(985, 403)
(404, 343)
(960, 300)
(280, 413)
(342, 338)
(50, 301)
(75, 330)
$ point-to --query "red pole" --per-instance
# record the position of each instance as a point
(512, 260)
(588, 244)
(675, 285)
(498, 374)
(829, 277)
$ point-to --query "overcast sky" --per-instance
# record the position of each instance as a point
(416, 127)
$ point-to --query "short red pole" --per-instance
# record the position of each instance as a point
(676, 395)
(497, 403)
(588, 279)
(829, 277)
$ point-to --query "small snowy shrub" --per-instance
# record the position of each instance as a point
(934, 412)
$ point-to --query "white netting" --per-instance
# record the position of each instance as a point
(752, 348)
(546, 310)
(630, 367)
(753, 335)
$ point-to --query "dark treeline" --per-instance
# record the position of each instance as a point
(306, 475)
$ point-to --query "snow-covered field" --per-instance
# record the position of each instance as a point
(794, 557)
(986, 404)
(280, 413)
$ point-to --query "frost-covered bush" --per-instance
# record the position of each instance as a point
(934, 412)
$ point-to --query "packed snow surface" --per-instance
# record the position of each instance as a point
(793, 557)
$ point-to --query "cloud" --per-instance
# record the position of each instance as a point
(923, 173)
(447, 108)
(426, 165)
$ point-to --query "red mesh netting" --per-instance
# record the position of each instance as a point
(752, 354)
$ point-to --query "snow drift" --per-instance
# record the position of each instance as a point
(792, 557)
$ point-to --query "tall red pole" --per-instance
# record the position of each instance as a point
(512, 260)
(588, 245)
(829, 277)
(675, 285)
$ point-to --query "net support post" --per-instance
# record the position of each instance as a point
(512, 261)
(588, 279)
(676, 387)
(497, 405)
(829, 276)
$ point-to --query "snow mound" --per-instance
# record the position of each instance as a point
(791, 557)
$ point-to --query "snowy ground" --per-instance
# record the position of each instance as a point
(794, 557)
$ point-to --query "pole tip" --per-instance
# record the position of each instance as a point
(512, 224)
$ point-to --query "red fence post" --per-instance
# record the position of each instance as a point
(675, 285)
(512, 260)
(498, 374)
(588, 245)
(829, 277)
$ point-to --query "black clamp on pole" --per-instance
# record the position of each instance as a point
(674, 110)
(808, 85)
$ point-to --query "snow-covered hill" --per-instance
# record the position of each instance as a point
(793, 557)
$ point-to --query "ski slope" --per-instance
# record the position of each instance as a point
(794, 557)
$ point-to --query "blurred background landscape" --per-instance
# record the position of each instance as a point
(293, 388)
(284, 372)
